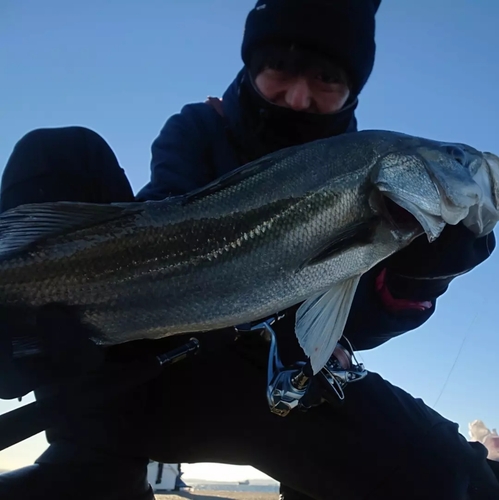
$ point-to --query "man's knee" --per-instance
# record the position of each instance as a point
(63, 164)
(55, 134)
(46, 151)
(56, 140)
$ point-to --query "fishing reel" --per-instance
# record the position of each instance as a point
(295, 387)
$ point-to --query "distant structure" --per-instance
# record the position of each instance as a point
(165, 477)
(478, 431)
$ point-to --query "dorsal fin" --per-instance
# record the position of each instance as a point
(233, 177)
(26, 225)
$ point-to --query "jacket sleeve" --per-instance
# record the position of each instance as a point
(424, 271)
(179, 161)
(400, 295)
(371, 322)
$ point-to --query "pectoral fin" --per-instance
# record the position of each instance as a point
(320, 321)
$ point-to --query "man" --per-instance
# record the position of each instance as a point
(305, 65)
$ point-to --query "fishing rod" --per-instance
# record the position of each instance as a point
(22, 423)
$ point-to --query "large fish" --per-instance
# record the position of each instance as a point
(300, 225)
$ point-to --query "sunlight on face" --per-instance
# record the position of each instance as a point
(309, 92)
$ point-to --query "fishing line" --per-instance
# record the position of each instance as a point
(467, 334)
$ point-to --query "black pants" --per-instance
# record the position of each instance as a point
(380, 444)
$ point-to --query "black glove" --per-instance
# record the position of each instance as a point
(423, 270)
(52, 348)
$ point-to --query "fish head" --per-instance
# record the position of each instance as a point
(439, 183)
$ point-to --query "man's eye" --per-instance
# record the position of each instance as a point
(277, 74)
(329, 78)
(275, 66)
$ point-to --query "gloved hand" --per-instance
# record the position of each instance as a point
(423, 270)
(54, 347)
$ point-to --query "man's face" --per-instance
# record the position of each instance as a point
(311, 91)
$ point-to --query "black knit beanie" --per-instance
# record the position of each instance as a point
(340, 29)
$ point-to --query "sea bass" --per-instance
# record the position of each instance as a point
(301, 225)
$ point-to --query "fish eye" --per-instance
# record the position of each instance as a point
(457, 154)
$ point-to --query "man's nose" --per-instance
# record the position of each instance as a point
(298, 95)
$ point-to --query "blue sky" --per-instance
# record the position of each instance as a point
(122, 68)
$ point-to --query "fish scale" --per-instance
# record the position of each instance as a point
(300, 223)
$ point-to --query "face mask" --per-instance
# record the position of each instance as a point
(275, 127)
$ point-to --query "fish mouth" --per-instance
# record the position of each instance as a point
(398, 215)
(482, 218)
(393, 213)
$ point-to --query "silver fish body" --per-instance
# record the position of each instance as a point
(286, 228)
